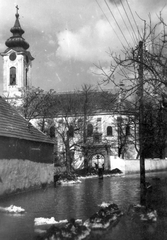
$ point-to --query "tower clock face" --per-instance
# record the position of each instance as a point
(12, 56)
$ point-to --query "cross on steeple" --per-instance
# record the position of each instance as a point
(17, 9)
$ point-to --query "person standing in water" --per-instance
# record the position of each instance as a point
(100, 167)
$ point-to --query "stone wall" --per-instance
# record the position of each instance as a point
(59, 170)
(133, 166)
(19, 175)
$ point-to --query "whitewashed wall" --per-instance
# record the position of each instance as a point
(133, 166)
(18, 175)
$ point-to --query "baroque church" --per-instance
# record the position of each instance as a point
(105, 140)
(17, 62)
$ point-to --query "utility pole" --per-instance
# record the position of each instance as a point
(141, 109)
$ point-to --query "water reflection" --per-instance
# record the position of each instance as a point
(78, 201)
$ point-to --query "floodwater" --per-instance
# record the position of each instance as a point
(80, 201)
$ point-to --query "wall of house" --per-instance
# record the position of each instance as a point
(133, 166)
(14, 148)
(18, 175)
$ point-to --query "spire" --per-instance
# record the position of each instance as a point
(17, 42)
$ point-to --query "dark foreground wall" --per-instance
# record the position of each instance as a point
(14, 148)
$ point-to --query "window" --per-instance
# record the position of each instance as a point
(119, 119)
(97, 137)
(26, 77)
(80, 123)
(89, 130)
(71, 131)
(52, 131)
(109, 131)
(99, 124)
(60, 122)
(12, 76)
(127, 130)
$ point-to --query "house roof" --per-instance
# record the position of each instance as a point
(12, 124)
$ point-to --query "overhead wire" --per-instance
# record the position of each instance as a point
(116, 22)
(129, 20)
(133, 36)
(124, 21)
(111, 25)
(133, 18)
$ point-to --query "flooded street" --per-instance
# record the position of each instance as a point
(80, 201)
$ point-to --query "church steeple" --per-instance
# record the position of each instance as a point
(17, 61)
(17, 42)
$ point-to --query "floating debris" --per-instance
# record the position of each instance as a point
(47, 221)
(107, 215)
(142, 213)
(12, 209)
(73, 229)
(67, 182)
(104, 204)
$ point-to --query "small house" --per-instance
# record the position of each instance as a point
(26, 154)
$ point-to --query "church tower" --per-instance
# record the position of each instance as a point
(17, 62)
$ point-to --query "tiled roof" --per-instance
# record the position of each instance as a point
(12, 124)
(97, 102)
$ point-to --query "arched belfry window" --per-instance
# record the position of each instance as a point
(109, 131)
(89, 130)
(26, 77)
(12, 76)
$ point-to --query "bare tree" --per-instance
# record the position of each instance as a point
(66, 125)
(36, 103)
(142, 69)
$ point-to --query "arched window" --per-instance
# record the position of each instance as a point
(89, 130)
(99, 124)
(52, 131)
(80, 123)
(71, 131)
(12, 76)
(109, 131)
(26, 77)
(127, 130)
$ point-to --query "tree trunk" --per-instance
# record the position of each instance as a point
(68, 155)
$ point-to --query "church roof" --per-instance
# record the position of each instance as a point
(98, 102)
(12, 124)
(17, 41)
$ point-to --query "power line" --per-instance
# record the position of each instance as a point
(110, 24)
(124, 21)
(128, 19)
(116, 22)
(133, 18)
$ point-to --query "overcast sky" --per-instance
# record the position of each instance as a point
(69, 38)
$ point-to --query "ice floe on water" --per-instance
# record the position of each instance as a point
(45, 221)
(71, 182)
(108, 214)
(104, 204)
(139, 212)
(72, 229)
(12, 209)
